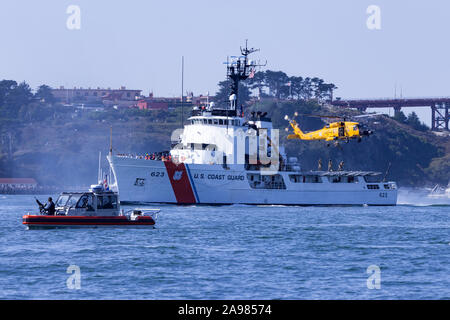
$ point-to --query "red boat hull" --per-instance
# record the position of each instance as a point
(42, 221)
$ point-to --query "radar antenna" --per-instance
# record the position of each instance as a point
(240, 69)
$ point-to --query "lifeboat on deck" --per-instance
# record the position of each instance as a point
(96, 208)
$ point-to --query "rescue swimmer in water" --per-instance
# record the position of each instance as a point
(334, 131)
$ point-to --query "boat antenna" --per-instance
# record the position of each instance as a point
(387, 171)
(110, 141)
(99, 175)
(182, 89)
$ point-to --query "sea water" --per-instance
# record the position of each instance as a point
(233, 252)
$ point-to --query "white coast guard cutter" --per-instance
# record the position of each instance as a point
(214, 162)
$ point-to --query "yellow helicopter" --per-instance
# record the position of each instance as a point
(335, 131)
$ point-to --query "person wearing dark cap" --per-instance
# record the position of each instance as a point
(49, 207)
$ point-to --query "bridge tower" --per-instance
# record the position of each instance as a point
(440, 116)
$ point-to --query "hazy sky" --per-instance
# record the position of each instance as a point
(139, 43)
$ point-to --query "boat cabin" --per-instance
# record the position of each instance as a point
(93, 203)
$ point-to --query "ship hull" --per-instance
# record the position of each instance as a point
(152, 181)
(52, 221)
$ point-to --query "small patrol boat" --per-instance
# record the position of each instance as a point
(98, 207)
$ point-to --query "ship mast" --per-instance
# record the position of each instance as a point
(239, 69)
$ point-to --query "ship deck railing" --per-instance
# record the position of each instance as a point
(343, 173)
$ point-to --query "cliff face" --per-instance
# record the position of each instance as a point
(64, 149)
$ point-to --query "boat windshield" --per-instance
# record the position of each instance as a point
(62, 200)
(73, 200)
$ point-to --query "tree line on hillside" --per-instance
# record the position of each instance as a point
(16, 96)
(279, 85)
(412, 120)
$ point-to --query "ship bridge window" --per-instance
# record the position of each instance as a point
(342, 179)
(201, 146)
(373, 179)
(209, 121)
(216, 121)
(258, 181)
(210, 147)
(335, 179)
(204, 121)
(220, 121)
(373, 186)
(298, 178)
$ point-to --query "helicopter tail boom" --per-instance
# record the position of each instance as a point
(298, 134)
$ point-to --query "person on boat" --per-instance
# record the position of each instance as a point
(319, 165)
(330, 165)
(341, 166)
(49, 207)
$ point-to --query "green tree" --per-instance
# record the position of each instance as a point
(257, 82)
(414, 121)
(307, 89)
(44, 93)
(222, 96)
(399, 116)
(13, 97)
(6, 86)
(276, 82)
(296, 87)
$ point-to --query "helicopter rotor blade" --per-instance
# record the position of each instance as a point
(317, 116)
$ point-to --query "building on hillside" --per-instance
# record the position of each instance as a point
(152, 103)
(17, 184)
(164, 103)
(96, 95)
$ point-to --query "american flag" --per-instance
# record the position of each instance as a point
(252, 73)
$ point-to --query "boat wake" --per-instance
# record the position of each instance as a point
(421, 198)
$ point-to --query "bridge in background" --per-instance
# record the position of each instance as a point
(439, 107)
